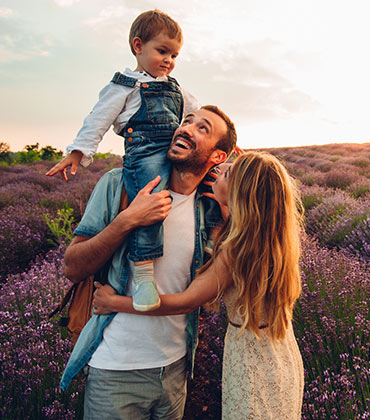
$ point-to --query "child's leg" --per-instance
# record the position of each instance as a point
(145, 296)
(146, 243)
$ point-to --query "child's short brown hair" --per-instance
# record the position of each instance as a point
(151, 23)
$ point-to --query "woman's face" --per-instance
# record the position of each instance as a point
(220, 186)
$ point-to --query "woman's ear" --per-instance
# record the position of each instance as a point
(137, 45)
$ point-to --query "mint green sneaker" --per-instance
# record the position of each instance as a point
(145, 297)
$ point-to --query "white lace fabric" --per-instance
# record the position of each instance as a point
(262, 380)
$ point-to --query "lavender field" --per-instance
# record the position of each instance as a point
(331, 319)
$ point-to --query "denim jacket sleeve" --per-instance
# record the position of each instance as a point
(101, 209)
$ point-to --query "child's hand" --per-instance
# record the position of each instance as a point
(72, 160)
(238, 151)
(224, 209)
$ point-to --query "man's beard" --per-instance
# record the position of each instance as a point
(195, 163)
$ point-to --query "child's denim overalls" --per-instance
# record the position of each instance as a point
(148, 135)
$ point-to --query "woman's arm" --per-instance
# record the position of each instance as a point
(86, 255)
(205, 287)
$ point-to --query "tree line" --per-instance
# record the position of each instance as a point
(30, 153)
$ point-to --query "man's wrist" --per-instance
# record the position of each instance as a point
(131, 219)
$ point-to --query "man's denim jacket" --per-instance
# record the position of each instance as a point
(102, 208)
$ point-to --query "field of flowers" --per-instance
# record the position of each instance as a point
(331, 319)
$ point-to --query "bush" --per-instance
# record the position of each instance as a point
(33, 349)
(334, 220)
(332, 326)
(313, 195)
(358, 240)
(338, 178)
(204, 391)
(26, 194)
(360, 189)
(23, 235)
(61, 226)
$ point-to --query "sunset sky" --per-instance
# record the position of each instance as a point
(288, 72)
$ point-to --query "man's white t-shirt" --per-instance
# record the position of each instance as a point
(140, 341)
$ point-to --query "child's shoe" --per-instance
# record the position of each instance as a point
(145, 295)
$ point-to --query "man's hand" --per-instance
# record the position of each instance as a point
(72, 160)
(147, 208)
(103, 298)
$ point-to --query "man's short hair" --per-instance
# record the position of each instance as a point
(151, 23)
(227, 143)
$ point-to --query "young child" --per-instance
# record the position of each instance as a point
(145, 107)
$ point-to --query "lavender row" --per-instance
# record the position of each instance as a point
(331, 322)
(33, 350)
(26, 194)
(338, 220)
(335, 183)
(334, 216)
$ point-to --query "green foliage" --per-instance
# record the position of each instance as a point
(28, 156)
(31, 153)
(310, 201)
(358, 190)
(4, 152)
(50, 153)
(61, 226)
(102, 155)
(32, 147)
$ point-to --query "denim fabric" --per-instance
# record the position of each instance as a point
(148, 135)
(101, 209)
(150, 394)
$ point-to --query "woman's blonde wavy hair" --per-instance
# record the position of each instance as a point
(262, 242)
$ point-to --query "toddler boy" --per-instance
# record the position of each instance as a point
(145, 107)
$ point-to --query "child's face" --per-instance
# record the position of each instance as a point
(157, 56)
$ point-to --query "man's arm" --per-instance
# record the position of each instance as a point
(85, 255)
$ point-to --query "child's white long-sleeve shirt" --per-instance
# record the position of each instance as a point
(116, 105)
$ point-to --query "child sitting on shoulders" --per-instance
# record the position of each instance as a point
(145, 107)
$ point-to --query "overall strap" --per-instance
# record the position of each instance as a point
(173, 80)
(121, 79)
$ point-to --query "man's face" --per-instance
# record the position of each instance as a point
(194, 141)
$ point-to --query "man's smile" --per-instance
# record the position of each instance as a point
(184, 142)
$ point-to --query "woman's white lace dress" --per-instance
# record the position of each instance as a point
(260, 379)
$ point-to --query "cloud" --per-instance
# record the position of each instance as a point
(5, 12)
(7, 55)
(110, 16)
(66, 3)
(18, 42)
(112, 24)
(248, 90)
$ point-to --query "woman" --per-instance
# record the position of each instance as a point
(254, 268)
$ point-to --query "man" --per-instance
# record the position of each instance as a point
(137, 363)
